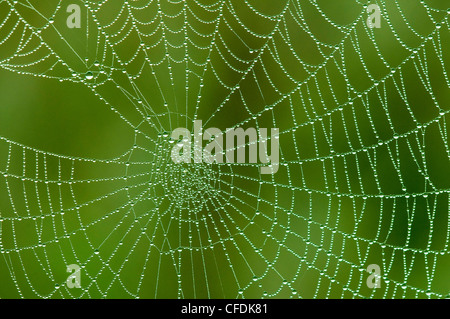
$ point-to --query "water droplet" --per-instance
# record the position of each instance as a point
(89, 75)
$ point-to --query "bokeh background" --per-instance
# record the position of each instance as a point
(86, 175)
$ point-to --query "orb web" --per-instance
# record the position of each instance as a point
(364, 151)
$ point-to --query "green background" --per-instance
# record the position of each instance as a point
(88, 180)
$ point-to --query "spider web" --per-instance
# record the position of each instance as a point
(364, 151)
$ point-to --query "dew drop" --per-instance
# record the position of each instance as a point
(89, 75)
